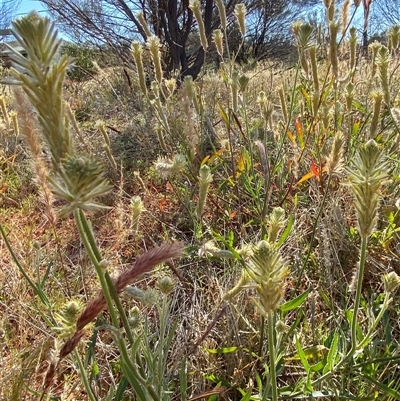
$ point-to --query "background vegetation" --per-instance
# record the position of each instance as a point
(264, 200)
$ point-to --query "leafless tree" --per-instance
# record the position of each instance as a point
(115, 23)
(8, 9)
(384, 14)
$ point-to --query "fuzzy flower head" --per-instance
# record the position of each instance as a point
(303, 33)
(240, 14)
(268, 271)
(41, 74)
(169, 167)
(394, 37)
(153, 44)
(67, 317)
(276, 221)
(148, 298)
(79, 181)
(205, 178)
(137, 50)
(218, 39)
(165, 284)
(195, 6)
(391, 281)
(143, 23)
(334, 162)
(222, 13)
(368, 173)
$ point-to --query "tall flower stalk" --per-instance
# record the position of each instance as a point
(78, 180)
(265, 271)
(367, 174)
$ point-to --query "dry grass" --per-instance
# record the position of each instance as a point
(322, 248)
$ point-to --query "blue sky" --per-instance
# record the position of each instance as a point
(29, 5)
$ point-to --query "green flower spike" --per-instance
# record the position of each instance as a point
(81, 181)
(268, 270)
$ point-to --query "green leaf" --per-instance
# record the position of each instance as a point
(259, 383)
(247, 396)
(287, 231)
(330, 394)
(386, 389)
(130, 375)
(317, 367)
(225, 350)
(46, 275)
(95, 369)
(330, 360)
(223, 114)
(295, 303)
(302, 356)
(121, 389)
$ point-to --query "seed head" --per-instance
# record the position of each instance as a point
(240, 14)
(268, 271)
(165, 284)
(276, 221)
(218, 38)
(79, 181)
(334, 162)
(391, 281)
(222, 13)
(367, 175)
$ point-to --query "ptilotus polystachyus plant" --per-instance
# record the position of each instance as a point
(205, 178)
(41, 78)
(4, 110)
(75, 179)
(218, 38)
(137, 50)
(368, 172)
(143, 264)
(334, 162)
(268, 270)
(137, 208)
(265, 269)
(194, 5)
(383, 61)
(153, 44)
(393, 38)
(143, 24)
(240, 14)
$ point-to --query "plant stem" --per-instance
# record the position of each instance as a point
(93, 251)
(371, 330)
(360, 276)
(262, 330)
(84, 377)
(120, 309)
(272, 359)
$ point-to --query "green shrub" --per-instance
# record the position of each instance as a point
(84, 58)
